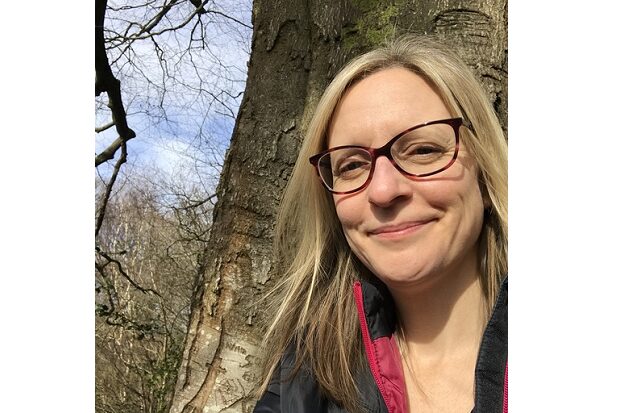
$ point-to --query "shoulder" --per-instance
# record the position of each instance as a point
(291, 390)
(295, 390)
(492, 363)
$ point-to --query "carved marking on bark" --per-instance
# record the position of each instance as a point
(210, 352)
(472, 24)
(236, 378)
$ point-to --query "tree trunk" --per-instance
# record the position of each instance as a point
(297, 47)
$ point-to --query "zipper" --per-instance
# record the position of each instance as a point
(506, 388)
(370, 354)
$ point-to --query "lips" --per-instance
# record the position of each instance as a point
(398, 230)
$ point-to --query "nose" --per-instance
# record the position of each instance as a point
(387, 184)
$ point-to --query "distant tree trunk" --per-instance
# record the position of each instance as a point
(298, 46)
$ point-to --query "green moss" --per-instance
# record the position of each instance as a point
(377, 23)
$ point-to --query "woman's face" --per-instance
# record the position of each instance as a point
(405, 230)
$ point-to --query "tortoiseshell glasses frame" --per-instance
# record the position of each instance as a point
(322, 161)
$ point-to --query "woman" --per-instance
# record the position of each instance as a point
(394, 258)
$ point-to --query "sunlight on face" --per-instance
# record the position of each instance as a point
(405, 230)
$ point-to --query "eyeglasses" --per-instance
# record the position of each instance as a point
(419, 151)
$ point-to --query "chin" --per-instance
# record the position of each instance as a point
(398, 276)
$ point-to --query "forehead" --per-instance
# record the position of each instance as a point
(382, 105)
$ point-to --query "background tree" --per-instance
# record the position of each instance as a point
(148, 251)
(169, 75)
(297, 47)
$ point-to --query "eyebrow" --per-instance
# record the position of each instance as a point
(402, 132)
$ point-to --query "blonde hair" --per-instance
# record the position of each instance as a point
(316, 311)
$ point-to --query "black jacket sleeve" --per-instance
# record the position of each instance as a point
(291, 391)
(270, 400)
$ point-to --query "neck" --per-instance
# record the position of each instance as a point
(443, 318)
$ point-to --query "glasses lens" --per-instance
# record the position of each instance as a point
(345, 169)
(425, 150)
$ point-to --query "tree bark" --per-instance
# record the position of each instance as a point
(297, 48)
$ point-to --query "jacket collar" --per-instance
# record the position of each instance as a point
(380, 310)
(491, 385)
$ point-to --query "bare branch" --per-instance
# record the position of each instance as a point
(198, 203)
(108, 191)
(199, 5)
(104, 127)
(147, 3)
(104, 78)
(230, 18)
(109, 152)
(156, 19)
(124, 274)
(171, 28)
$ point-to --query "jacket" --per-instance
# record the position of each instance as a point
(382, 387)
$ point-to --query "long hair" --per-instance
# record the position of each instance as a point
(316, 312)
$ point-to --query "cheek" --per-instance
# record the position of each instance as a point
(460, 205)
(468, 212)
(350, 214)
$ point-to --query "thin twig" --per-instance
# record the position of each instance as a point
(124, 274)
(108, 190)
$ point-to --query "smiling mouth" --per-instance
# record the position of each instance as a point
(400, 230)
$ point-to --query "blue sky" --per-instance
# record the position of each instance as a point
(192, 132)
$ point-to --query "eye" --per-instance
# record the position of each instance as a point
(421, 153)
(423, 149)
(351, 167)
